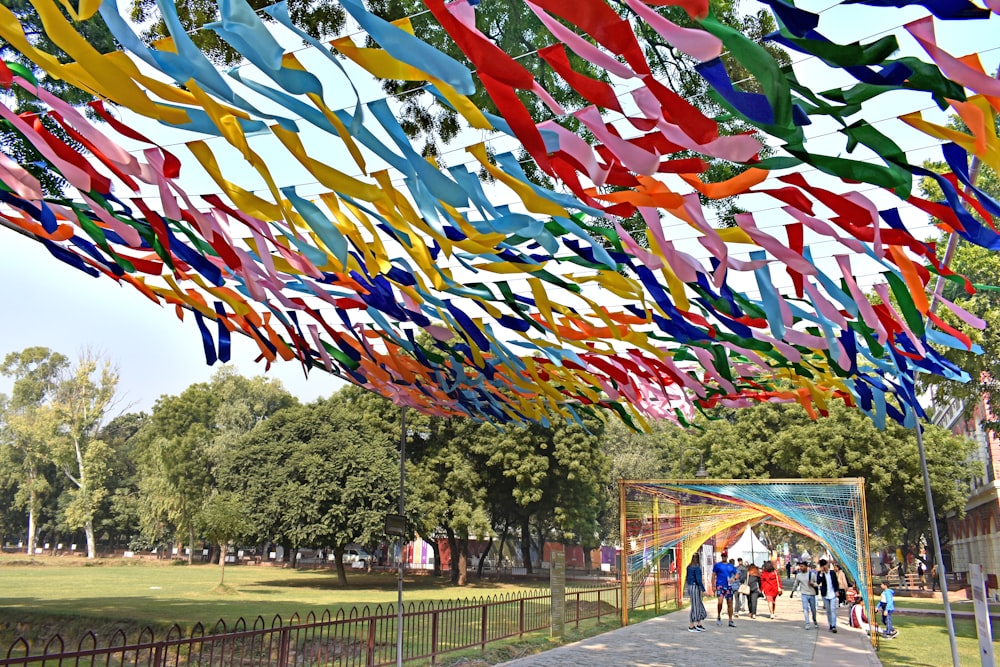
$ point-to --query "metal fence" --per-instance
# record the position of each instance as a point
(356, 637)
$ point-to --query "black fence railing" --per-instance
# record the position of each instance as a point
(355, 637)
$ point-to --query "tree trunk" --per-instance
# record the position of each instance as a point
(222, 563)
(31, 523)
(88, 528)
(482, 558)
(436, 548)
(463, 562)
(526, 543)
(503, 543)
(190, 542)
(338, 557)
(453, 550)
(588, 563)
(81, 483)
(541, 544)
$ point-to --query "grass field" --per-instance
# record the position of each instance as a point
(52, 595)
(187, 594)
(923, 642)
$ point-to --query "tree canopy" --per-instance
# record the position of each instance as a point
(237, 460)
(313, 476)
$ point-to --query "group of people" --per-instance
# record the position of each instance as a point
(731, 581)
(828, 583)
(735, 582)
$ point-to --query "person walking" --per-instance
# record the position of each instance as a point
(694, 586)
(887, 605)
(736, 583)
(934, 578)
(828, 587)
(722, 573)
(770, 585)
(805, 584)
(841, 584)
(753, 583)
(788, 569)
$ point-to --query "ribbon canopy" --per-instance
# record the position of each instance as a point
(499, 298)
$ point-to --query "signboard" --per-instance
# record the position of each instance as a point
(981, 605)
(395, 524)
(557, 585)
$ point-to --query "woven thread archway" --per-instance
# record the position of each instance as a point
(658, 516)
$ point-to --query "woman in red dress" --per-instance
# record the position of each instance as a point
(770, 585)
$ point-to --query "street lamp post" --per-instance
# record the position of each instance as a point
(402, 536)
(701, 474)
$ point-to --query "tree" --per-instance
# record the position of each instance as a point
(549, 478)
(223, 518)
(579, 472)
(447, 489)
(120, 514)
(634, 455)
(80, 402)
(185, 440)
(175, 476)
(315, 476)
(26, 427)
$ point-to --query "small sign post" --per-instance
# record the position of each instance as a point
(981, 605)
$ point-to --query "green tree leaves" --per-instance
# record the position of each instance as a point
(312, 476)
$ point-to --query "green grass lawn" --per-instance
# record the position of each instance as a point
(66, 596)
(923, 642)
(956, 605)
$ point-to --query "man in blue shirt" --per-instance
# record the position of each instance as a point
(722, 573)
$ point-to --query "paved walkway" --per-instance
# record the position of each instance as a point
(665, 642)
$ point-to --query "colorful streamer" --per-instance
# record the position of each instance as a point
(412, 278)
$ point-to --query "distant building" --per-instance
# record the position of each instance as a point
(975, 538)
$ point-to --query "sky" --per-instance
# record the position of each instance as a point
(47, 303)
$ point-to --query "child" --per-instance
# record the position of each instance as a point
(887, 605)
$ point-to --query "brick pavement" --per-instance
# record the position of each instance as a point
(665, 642)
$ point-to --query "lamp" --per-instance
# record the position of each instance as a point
(701, 474)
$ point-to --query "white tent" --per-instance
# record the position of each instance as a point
(750, 549)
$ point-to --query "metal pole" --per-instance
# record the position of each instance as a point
(622, 527)
(942, 580)
(656, 552)
(402, 512)
(937, 547)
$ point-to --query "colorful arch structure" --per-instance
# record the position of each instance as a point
(658, 516)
